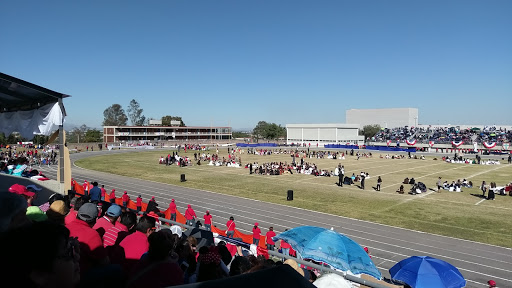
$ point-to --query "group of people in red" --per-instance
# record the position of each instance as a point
(189, 218)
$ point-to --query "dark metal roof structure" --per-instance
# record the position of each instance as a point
(20, 95)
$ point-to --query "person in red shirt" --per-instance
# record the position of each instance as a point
(172, 209)
(231, 227)
(139, 203)
(92, 252)
(125, 198)
(108, 220)
(270, 243)
(122, 228)
(86, 188)
(74, 212)
(256, 234)
(190, 216)
(136, 244)
(103, 192)
(158, 269)
(113, 196)
(208, 221)
(367, 251)
(285, 247)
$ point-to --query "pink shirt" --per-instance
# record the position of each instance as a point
(208, 219)
(139, 202)
(190, 214)
(135, 245)
(269, 235)
(285, 245)
(102, 225)
(231, 225)
(172, 207)
(111, 235)
(70, 217)
(103, 192)
(91, 246)
(256, 233)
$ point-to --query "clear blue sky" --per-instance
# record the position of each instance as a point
(238, 62)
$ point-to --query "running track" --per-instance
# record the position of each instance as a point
(476, 261)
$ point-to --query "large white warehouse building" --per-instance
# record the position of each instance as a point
(322, 134)
(386, 118)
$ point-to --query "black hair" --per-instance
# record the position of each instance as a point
(145, 222)
(79, 202)
(128, 219)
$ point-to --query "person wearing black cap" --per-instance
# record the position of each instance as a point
(152, 206)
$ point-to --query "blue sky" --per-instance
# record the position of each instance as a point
(238, 62)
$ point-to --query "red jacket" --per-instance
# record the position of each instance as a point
(125, 197)
(139, 202)
(190, 214)
(112, 195)
(172, 207)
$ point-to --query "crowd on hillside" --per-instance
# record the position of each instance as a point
(444, 135)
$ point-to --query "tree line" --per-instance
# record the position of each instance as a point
(116, 116)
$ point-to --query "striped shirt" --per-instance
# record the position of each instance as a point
(110, 236)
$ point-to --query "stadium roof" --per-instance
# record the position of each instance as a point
(20, 95)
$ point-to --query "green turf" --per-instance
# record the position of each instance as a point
(447, 213)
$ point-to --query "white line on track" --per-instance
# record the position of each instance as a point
(480, 201)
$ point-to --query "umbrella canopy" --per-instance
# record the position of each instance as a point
(331, 247)
(332, 280)
(475, 129)
(204, 238)
(425, 271)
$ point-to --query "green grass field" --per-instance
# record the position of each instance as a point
(455, 214)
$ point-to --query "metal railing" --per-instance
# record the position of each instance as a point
(324, 269)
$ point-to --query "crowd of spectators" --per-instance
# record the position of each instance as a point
(443, 135)
(11, 157)
(73, 242)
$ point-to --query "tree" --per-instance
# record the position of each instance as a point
(3, 139)
(166, 120)
(93, 135)
(114, 116)
(40, 139)
(135, 113)
(259, 130)
(369, 131)
(268, 130)
(240, 134)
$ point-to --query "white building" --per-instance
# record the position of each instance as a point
(322, 134)
(386, 118)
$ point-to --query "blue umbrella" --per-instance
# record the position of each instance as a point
(425, 271)
(328, 246)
